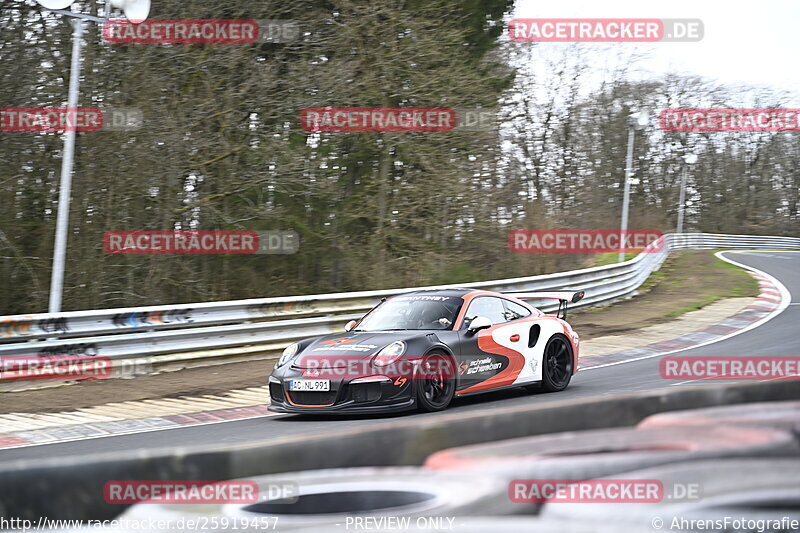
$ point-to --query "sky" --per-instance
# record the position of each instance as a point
(752, 43)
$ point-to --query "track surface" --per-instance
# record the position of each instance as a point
(778, 337)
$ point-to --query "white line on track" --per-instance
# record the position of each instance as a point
(682, 382)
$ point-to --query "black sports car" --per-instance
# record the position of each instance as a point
(420, 349)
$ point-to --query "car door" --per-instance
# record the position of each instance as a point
(479, 360)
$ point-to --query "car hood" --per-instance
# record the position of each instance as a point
(346, 346)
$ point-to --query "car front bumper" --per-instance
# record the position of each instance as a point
(362, 395)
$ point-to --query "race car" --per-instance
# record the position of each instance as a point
(421, 349)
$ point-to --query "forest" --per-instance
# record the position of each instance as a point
(221, 147)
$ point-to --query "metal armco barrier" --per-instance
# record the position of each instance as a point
(147, 331)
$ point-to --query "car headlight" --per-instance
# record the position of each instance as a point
(288, 352)
(389, 353)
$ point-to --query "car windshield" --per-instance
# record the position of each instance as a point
(412, 312)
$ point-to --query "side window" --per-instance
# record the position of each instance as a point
(487, 306)
(515, 311)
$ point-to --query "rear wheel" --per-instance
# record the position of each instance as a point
(556, 364)
(436, 384)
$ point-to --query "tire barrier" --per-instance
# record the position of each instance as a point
(749, 489)
(599, 453)
(782, 415)
(329, 497)
(71, 487)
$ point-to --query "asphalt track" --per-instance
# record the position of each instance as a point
(777, 337)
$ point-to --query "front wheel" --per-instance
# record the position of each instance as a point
(436, 384)
(556, 364)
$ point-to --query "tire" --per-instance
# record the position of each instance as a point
(611, 452)
(557, 364)
(435, 383)
(781, 415)
(756, 489)
(605, 452)
(328, 497)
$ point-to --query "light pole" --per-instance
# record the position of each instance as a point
(135, 10)
(65, 188)
(689, 159)
(636, 121)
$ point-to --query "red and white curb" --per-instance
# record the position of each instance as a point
(772, 299)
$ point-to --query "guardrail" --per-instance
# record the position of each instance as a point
(173, 329)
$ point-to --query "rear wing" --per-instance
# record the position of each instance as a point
(564, 296)
(564, 299)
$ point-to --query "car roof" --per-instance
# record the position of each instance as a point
(450, 291)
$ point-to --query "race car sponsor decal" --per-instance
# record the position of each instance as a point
(339, 340)
(475, 366)
(347, 347)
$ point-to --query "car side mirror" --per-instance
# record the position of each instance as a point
(350, 325)
(478, 323)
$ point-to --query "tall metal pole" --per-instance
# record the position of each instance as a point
(623, 229)
(65, 189)
(682, 199)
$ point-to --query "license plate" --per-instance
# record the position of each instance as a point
(314, 385)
